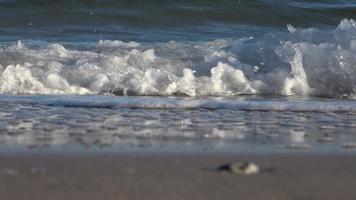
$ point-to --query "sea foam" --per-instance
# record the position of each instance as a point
(300, 62)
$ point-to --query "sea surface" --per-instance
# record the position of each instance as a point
(182, 75)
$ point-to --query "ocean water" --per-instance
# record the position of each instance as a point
(230, 74)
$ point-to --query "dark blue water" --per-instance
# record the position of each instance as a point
(163, 20)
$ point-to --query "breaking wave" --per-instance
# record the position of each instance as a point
(300, 62)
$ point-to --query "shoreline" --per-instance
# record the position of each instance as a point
(175, 176)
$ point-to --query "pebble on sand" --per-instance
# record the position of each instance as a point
(246, 168)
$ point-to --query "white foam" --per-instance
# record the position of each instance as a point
(117, 43)
(291, 28)
(301, 62)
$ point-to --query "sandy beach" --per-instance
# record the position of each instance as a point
(175, 176)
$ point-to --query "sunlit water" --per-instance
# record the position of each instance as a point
(189, 125)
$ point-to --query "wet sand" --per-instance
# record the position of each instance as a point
(175, 176)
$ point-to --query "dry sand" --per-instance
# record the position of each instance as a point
(175, 176)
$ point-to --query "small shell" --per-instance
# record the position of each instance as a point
(246, 168)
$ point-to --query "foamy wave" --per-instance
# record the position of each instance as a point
(303, 62)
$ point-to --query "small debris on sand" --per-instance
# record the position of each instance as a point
(245, 168)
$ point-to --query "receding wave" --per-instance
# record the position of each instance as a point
(300, 62)
(246, 104)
